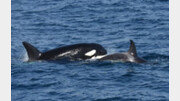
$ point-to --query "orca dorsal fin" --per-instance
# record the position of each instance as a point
(32, 52)
(132, 49)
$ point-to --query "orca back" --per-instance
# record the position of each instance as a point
(75, 51)
(129, 56)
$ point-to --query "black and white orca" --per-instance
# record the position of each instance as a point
(80, 51)
(130, 56)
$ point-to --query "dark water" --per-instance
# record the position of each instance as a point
(48, 24)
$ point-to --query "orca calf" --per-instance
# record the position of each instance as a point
(130, 56)
(80, 51)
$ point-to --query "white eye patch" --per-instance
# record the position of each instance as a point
(91, 53)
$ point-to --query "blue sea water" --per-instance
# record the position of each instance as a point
(48, 24)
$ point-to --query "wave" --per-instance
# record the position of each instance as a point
(152, 56)
(32, 86)
(117, 99)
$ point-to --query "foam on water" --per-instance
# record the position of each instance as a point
(24, 57)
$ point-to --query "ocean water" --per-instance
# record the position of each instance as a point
(48, 24)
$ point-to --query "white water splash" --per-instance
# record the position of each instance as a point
(24, 57)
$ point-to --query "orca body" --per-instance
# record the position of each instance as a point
(80, 51)
(130, 56)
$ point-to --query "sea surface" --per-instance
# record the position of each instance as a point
(48, 24)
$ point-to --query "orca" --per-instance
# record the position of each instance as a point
(81, 51)
(129, 56)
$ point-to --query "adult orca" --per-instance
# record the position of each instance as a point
(129, 56)
(81, 51)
